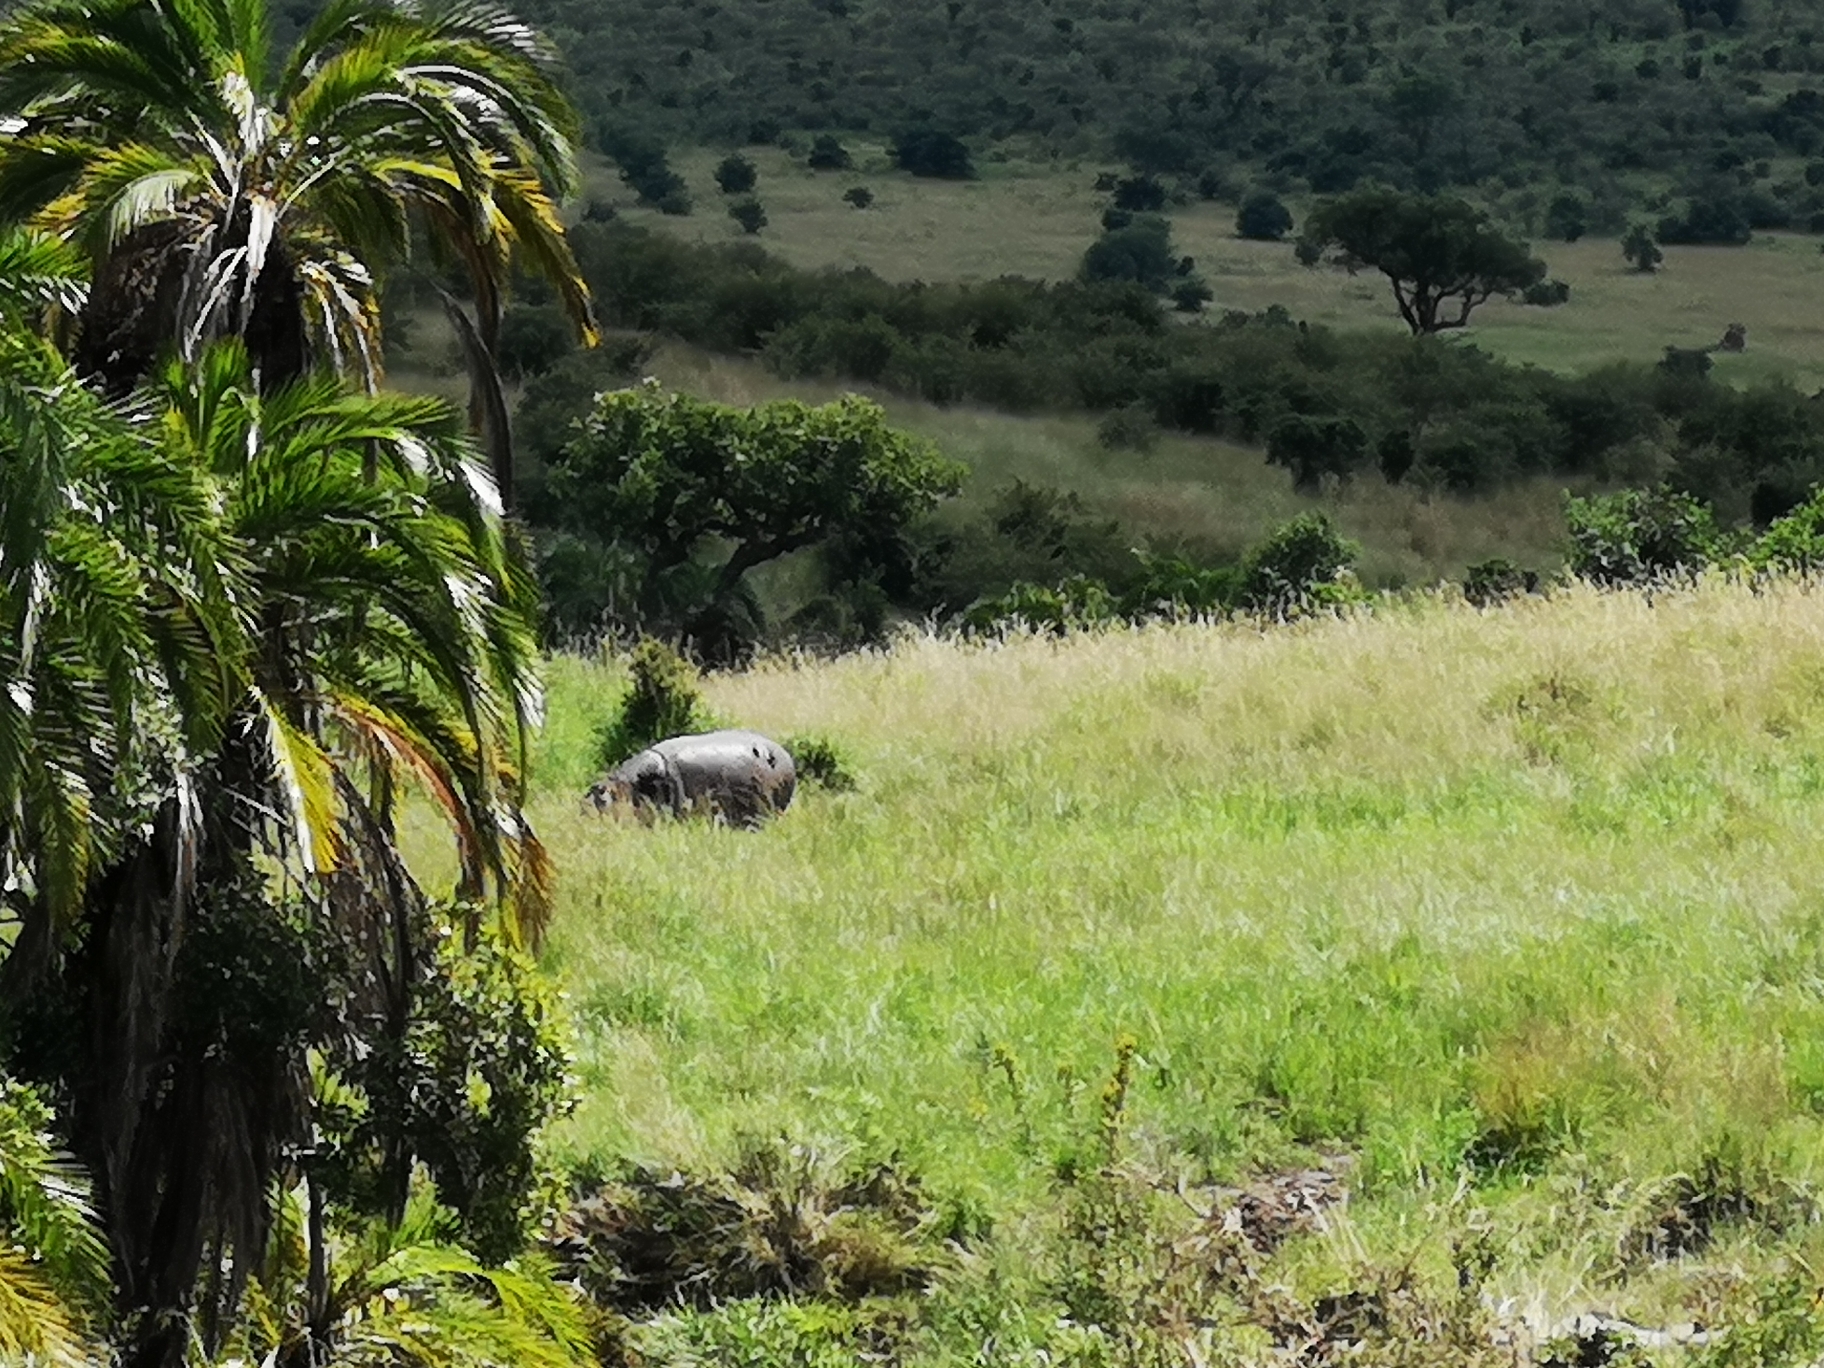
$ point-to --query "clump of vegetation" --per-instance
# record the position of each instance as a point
(663, 698)
(1263, 216)
(1546, 294)
(1302, 568)
(1640, 536)
(858, 196)
(1640, 249)
(785, 1221)
(828, 154)
(1128, 429)
(749, 213)
(820, 761)
(735, 175)
(934, 154)
(646, 169)
(1496, 580)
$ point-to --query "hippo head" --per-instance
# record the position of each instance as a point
(610, 794)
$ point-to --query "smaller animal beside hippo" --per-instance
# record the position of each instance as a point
(739, 777)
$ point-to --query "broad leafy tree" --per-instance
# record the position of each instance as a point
(219, 190)
(1443, 257)
(687, 485)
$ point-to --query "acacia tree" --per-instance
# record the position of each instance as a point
(220, 192)
(1443, 256)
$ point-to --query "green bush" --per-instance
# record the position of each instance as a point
(1639, 536)
(1140, 252)
(828, 154)
(1302, 567)
(820, 761)
(662, 700)
(934, 154)
(749, 214)
(1263, 217)
(1497, 579)
(533, 339)
(1795, 542)
(735, 175)
(1075, 603)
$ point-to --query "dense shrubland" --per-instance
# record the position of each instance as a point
(1451, 417)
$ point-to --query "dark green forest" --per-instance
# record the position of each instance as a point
(1616, 98)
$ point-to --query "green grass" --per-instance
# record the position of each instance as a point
(1036, 221)
(1522, 904)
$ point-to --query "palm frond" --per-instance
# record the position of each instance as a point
(38, 272)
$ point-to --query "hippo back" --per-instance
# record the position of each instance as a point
(740, 776)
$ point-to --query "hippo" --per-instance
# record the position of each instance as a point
(739, 777)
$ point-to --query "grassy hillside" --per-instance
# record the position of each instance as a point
(1522, 903)
(1036, 222)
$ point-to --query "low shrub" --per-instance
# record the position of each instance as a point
(1496, 580)
(662, 700)
(1639, 536)
(820, 761)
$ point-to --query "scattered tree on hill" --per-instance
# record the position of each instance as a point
(680, 481)
(828, 154)
(1141, 251)
(933, 154)
(749, 214)
(1315, 447)
(1263, 217)
(735, 175)
(1567, 219)
(533, 338)
(859, 196)
(1442, 255)
(1641, 249)
(1140, 194)
(647, 171)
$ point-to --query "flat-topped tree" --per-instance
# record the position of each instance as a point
(1443, 256)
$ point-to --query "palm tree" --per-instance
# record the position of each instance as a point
(364, 625)
(401, 1294)
(110, 608)
(53, 1261)
(218, 192)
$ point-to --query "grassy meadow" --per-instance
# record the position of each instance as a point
(1520, 910)
(1036, 221)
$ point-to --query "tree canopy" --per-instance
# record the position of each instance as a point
(1442, 255)
(676, 480)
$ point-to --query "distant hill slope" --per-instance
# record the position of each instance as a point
(1318, 93)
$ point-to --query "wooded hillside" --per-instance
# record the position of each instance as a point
(1426, 92)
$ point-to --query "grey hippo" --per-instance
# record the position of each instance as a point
(740, 777)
